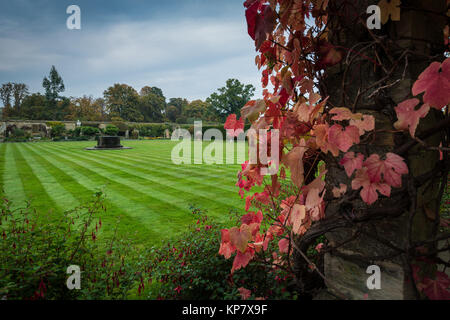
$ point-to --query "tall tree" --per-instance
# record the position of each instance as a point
(10, 91)
(122, 102)
(101, 103)
(231, 98)
(172, 113)
(53, 85)
(6, 93)
(152, 107)
(20, 91)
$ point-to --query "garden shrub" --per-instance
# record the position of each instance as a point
(57, 128)
(111, 130)
(89, 131)
(37, 249)
(18, 135)
(191, 268)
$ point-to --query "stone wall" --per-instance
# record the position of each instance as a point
(40, 127)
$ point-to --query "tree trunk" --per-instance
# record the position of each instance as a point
(384, 233)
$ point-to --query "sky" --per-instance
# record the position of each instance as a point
(188, 48)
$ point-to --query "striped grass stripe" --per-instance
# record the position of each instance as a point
(149, 193)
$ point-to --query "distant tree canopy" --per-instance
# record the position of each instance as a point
(179, 103)
(154, 90)
(86, 108)
(197, 109)
(120, 102)
(172, 113)
(152, 104)
(13, 91)
(231, 98)
(35, 107)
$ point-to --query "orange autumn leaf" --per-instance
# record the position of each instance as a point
(240, 237)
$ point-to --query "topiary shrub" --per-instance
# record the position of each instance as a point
(89, 131)
(18, 133)
(111, 130)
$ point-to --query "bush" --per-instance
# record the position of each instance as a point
(111, 130)
(89, 131)
(57, 128)
(37, 250)
(18, 135)
(191, 268)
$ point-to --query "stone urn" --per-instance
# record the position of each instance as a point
(108, 143)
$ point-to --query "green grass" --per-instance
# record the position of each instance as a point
(149, 193)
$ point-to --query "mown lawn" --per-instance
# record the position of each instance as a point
(149, 193)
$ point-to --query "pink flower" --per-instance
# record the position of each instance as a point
(319, 247)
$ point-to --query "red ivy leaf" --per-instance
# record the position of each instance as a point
(408, 116)
(234, 127)
(294, 161)
(298, 213)
(240, 237)
(367, 124)
(252, 217)
(250, 15)
(260, 21)
(241, 260)
(435, 82)
(437, 289)
(343, 139)
(375, 167)
(283, 245)
(351, 163)
(328, 54)
(226, 247)
(369, 188)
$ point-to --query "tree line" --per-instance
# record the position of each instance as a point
(120, 102)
